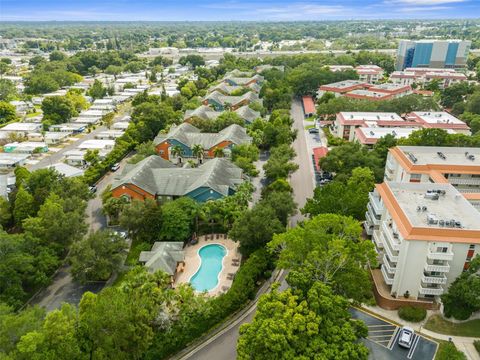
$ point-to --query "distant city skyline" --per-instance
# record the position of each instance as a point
(215, 10)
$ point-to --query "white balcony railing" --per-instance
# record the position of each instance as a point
(464, 181)
(430, 291)
(388, 280)
(374, 201)
(437, 268)
(434, 279)
(448, 256)
(386, 263)
(377, 239)
(371, 214)
(391, 256)
(388, 235)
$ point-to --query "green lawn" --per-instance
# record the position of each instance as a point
(448, 351)
(309, 127)
(440, 325)
(134, 253)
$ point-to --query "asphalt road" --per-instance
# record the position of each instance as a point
(382, 340)
(59, 155)
(302, 181)
(223, 346)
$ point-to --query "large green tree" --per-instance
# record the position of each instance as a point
(328, 248)
(255, 228)
(348, 198)
(58, 109)
(315, 324)
(97, 256)
(7, 112)
(463, 296)
(178, 218)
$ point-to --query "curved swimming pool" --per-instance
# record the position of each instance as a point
(206, 277)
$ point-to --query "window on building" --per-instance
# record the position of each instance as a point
(472, 246)
(442, 249)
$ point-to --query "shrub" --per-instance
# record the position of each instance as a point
(413, 314)
(476, 343)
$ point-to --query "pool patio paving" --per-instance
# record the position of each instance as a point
(192, 261)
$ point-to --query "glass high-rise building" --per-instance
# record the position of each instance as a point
(432, 53)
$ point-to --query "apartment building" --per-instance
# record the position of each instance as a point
(423, 76)
(432, 53)
(425, 235)
(458, 166)
(438, 120)
(369, 73)
(346, 122)
(341, 87)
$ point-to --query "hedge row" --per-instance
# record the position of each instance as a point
(413, 314)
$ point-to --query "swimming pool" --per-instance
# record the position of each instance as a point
(206, 277)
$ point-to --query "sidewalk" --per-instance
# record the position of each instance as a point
(464, 344)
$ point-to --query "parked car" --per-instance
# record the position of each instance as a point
(313, 130)
(406, 337)
(115, 167)
(93, 188)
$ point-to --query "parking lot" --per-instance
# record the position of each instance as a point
(382, 340)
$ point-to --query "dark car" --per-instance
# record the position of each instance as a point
(313, 130)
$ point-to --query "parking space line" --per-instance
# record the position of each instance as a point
(394, 338)
(412, 349)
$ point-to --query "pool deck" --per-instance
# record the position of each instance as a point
(192, 262)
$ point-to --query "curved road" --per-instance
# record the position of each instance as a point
(223, 345)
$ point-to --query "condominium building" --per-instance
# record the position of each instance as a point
(438, 120)
(346, 122)
(432, 53)
(369, 73)
(423, 76)
(458, 166)
(425, 235)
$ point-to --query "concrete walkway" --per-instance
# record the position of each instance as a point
(462, 343)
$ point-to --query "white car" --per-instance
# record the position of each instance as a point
(406, 337)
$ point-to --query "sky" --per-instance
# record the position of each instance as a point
(213, 10)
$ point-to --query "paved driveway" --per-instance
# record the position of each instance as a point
(382, 340)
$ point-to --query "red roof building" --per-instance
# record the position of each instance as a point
(308, 106)
(318, 153)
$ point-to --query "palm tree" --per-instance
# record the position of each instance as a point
(177, 152)
(218, 152)
(197, 151)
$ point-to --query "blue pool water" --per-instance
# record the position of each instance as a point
(206, 277)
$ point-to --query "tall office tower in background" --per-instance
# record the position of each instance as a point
(432, 53)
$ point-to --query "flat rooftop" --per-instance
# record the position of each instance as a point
(438, 117)
(368, 93)
(450, 205)
(389, 87)
(345, 84)
(379, 132)
(370, 116)
(429, 155)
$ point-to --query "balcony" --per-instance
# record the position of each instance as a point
(377, 239)
(437, 268)
(374, 202)
(389, 166)
(371, 216)
(464, 181)
(388, 280)
(388, 235)
(430, 291)
(391, 269)
(448, 256)
(469, 190)
(391, 256)
(434, 279)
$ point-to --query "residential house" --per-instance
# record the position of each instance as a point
(222, 102)
(186, 136)
(157, 178)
